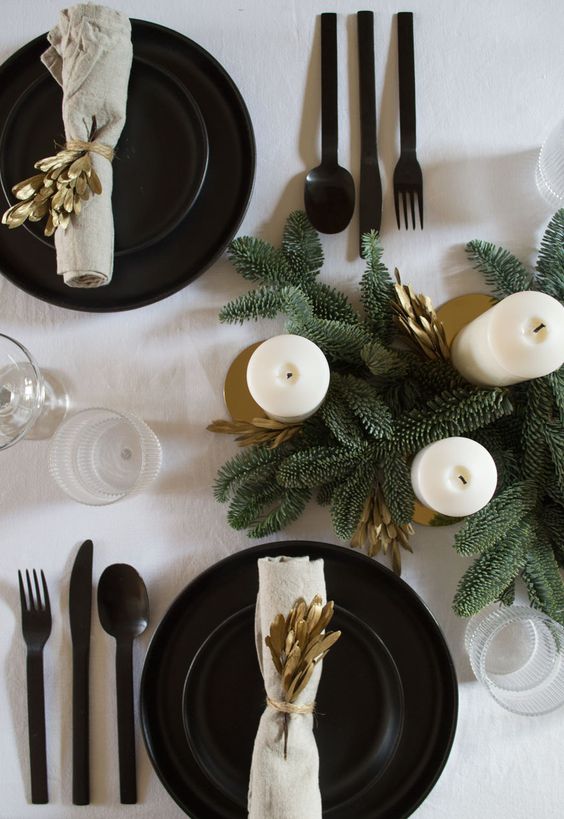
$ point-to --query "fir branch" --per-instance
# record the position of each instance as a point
(539, 410)
(550, 263)
(301, 246)
(386, 364)
(553, 524)
(395, 482)
(338, 417)
(507, 597)
(240, 466)
(257, 261)
(451, 413)
(492, 572)
(349, 498)
(264, 302)
(502, 271)
(556, 383)
(366, 404)
(341, 342)
(329, 303)
(543, 580)
(554, 434)
(325, 492)
(488, 526)
(319, 465)
(376, 288)
(436, 376)
(250, 500)
(289, 508)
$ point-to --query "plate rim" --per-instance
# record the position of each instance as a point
(202, 137)
(64, 299)
(395, 673)
(303, 546)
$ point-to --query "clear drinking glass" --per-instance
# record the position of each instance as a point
(32, 405)
(518, 654)
(550, 167)
(100, 456)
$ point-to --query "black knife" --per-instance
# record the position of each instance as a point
(370, 194)
(80, 610)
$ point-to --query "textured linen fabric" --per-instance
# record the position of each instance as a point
(90, 57)
(489, 87)
(285, 788)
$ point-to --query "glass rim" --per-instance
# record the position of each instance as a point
(134, 421)
(39, 389)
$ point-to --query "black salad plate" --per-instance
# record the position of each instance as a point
(143, 274)
(218, 601)
(224, 698)
(161, 158)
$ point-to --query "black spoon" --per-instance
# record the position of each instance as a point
(123, 608)
(329, 188)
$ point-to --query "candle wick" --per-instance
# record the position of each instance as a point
(540, 327)
(463, 479)
(289, 375)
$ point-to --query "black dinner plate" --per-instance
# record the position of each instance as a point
(161, 157)
(223, 700)
(155, 272)
(357, 584)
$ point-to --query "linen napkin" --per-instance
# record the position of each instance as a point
(90, 57)
(285, 788)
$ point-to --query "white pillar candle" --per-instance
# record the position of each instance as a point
(519, 338)
(454, 476)
(288, 376)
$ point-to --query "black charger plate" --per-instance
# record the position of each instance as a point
(359, 585)
(201, 237)
(161, 158)
(223, 701)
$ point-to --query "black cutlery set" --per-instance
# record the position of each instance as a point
(123, 609)
(329, 194)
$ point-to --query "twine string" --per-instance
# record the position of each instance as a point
(286, 709)
(92, 147)
(290, 707)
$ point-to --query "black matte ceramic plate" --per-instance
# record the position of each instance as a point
(161, 158)
(357, 734)
(359, 585)
(202, 235)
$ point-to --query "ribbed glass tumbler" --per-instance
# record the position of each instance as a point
(550, 167)
(100, 456)
(518, 654)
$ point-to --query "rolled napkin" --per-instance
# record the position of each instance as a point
(285, 788)
(90, 57)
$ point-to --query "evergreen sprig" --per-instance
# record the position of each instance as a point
(386, 402)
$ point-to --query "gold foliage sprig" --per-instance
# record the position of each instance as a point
(65, 182)
(378, 532)
(297, 643)
(415, 315)
(258, 431)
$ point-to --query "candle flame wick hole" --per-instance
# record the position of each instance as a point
(289, 375)
(541, 326)
(463, 479)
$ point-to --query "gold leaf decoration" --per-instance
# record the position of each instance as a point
(415, 315)
(297, 643)
(258, 431)
(378, 532)
(67, 179)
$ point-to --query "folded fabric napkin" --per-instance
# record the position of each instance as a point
(285, 788)
(90, 57)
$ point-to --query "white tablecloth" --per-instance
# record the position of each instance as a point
(489, 86)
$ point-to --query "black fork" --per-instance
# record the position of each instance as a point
(36, 628)
(408, 179)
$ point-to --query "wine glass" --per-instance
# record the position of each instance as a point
(31, 404)
(550, 167)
